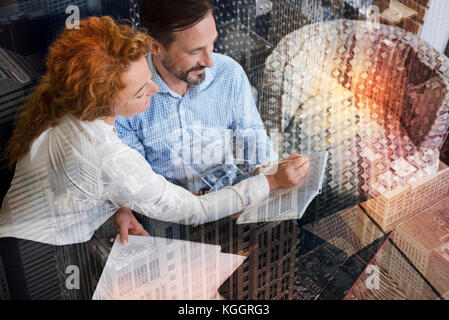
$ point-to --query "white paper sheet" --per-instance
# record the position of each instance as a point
(286, 204)
(152, 268)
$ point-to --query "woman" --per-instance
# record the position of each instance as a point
(73, 172)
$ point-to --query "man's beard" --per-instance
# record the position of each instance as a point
(184, 75)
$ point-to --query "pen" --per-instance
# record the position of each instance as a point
(281, 162)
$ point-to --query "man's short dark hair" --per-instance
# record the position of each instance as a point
(161, 18)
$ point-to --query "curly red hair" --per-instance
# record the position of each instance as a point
(82, 79)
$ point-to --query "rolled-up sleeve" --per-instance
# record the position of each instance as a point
(129, 181)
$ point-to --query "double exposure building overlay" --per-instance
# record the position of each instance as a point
(373, 96)
(425, 240)
(393, 207)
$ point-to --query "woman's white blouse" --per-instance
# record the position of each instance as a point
(78, 173)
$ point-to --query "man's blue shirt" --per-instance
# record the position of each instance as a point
(197, 140)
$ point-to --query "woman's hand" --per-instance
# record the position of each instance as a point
(126, 223)
(287, 175)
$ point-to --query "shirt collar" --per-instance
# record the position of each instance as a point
(163, 87)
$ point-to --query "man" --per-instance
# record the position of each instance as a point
(204, 103)
(204, 112)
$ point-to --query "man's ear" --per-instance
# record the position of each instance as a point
(155, 47)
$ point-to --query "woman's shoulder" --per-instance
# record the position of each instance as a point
(83, 139)
(79, 132)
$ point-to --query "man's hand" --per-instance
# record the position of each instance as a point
(125, 223)
(288, 173)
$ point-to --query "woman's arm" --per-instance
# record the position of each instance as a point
(129, 181)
